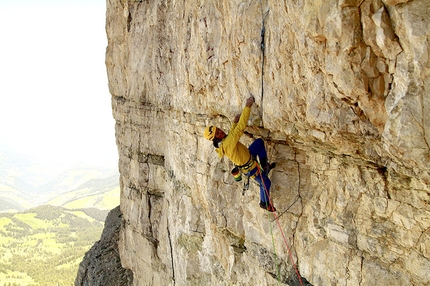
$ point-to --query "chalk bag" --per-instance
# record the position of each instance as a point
(236, 174)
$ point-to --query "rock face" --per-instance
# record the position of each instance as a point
(102, 264)
(343, 104)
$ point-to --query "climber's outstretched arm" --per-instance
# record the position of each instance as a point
(250, 101)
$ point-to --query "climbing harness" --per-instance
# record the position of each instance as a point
(248, 166)
(246, 169)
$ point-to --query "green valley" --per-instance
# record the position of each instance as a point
(44, 245)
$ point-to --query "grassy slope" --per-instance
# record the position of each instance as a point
(44, 246)
(25, 183)
(106, 199)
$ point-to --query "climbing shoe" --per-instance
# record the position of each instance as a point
(269, 167)
(267, 206)
(266, 166)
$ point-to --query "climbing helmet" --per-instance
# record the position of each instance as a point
(210, 132)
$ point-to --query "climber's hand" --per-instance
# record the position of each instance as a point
(250, 101)
(236, 118)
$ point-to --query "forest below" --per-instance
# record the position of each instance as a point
(44, 245)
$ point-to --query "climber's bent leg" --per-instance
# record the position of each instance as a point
(265, 185)
(257, 148)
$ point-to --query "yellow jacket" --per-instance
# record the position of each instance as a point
(232, 148)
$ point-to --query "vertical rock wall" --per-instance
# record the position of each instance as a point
(342, 101)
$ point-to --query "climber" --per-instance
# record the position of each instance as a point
(244, 158)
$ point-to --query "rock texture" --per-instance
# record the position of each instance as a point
(342, 100)
(102, 264)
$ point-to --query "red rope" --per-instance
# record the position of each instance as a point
(279, 225)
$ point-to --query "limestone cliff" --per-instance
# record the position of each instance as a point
(343, 103)
(102, 264)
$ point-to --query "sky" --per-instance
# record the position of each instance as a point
(55, 104)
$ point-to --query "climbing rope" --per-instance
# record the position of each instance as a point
(280, 228)
(278, 271)
(263, 47)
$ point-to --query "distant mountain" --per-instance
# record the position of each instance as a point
(24, 173)
(44, 245)
(25, 183)
(12, 200)
(102, 193)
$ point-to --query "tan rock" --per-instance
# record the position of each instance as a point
(342, 102)
(394, 2)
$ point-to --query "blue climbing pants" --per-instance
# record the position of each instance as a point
(257, 149)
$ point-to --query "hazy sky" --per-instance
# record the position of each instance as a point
(55, 102)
